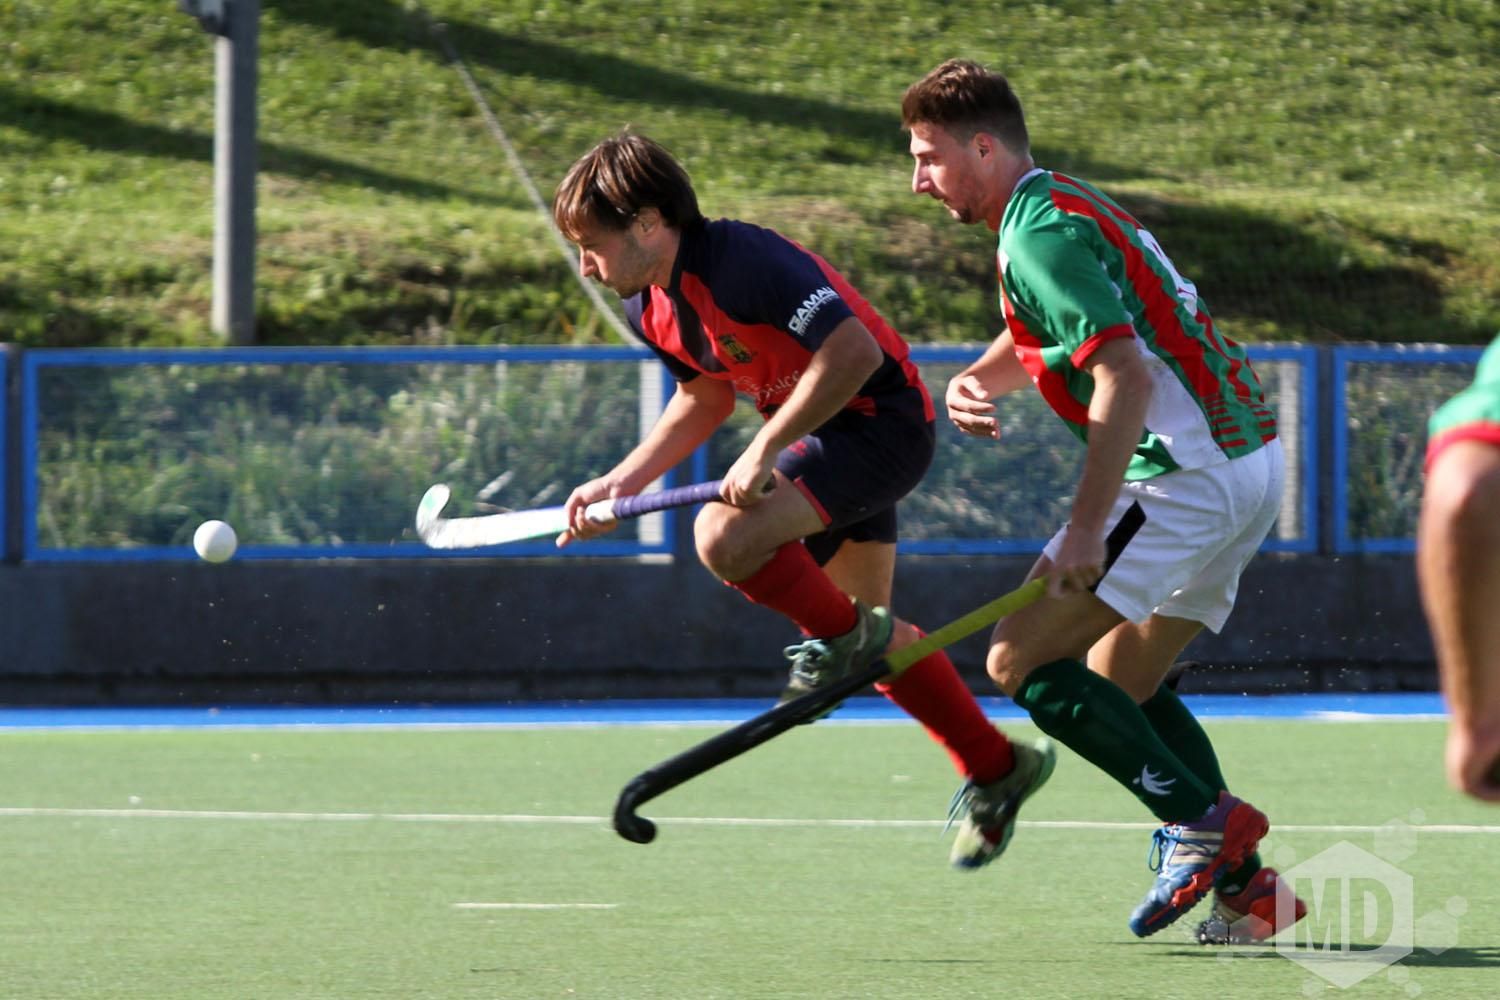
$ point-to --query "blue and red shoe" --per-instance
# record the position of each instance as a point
(1190, 858)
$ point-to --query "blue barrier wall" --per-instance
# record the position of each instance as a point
(377, 630)
(339, 602)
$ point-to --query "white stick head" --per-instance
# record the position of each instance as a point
(428, 511)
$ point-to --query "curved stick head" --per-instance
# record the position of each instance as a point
(628, 823)
(433, 502)
(636, 829)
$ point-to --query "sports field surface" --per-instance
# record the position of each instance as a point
(476, 861)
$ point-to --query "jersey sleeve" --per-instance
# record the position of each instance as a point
(1056, 276)
(774, 282)
(1473, 414)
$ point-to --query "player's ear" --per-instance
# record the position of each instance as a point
(648, 219)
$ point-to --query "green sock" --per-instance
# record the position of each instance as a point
(1179, 730)
(1102, 724)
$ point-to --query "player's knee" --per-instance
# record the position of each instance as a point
(713, 552)
(719, 546)
(1004, 668)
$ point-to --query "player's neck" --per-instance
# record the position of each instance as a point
(665, 250)
(1007, 176)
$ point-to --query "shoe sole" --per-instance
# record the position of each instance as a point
(1243, 831)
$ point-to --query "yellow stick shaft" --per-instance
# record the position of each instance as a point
(987, 614)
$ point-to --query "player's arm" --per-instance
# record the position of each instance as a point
(835, 373)
(694, 412)
(968, 398)
(1458, 563)
(1117, 419)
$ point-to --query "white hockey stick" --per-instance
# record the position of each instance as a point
(497, 529)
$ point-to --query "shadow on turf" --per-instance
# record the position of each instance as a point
(1477, 957)
(535, 50)
(53, 120)
(1483, 957)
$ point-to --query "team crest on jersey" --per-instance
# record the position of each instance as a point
(736, 350)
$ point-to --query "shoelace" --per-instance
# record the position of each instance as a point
(959, 805)
(1156, 856)
(807, 660)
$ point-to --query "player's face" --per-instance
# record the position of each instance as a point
(948, 170)
(615, 259)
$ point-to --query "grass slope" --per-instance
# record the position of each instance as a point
(1324, 170)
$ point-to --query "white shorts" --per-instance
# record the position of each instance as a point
(1202, 527)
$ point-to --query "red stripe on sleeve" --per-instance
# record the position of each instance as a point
(1098, 340)
(1485, 431)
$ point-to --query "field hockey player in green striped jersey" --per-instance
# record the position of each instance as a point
(1181, 456)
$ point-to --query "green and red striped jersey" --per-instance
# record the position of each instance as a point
(1473, 414)
(1076, 270)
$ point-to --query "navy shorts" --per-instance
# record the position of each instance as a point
(855, 469)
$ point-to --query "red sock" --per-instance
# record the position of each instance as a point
(794, 584)
(931, 692)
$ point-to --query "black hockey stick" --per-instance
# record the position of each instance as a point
(753, 732)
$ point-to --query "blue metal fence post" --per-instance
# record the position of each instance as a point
(10, 462)
(1330, 410)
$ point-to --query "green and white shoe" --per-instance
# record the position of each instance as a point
(819, 662)
(988, 812)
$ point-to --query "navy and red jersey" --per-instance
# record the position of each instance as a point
(749, 307)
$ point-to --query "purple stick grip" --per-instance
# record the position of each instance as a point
(679, 496)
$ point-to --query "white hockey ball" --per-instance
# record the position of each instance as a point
(214, 541)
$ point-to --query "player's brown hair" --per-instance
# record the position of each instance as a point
(611, 183)
(965, 98)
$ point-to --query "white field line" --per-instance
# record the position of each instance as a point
(23, 812)
(535, 906)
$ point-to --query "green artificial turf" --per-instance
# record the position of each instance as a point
(480, 863)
